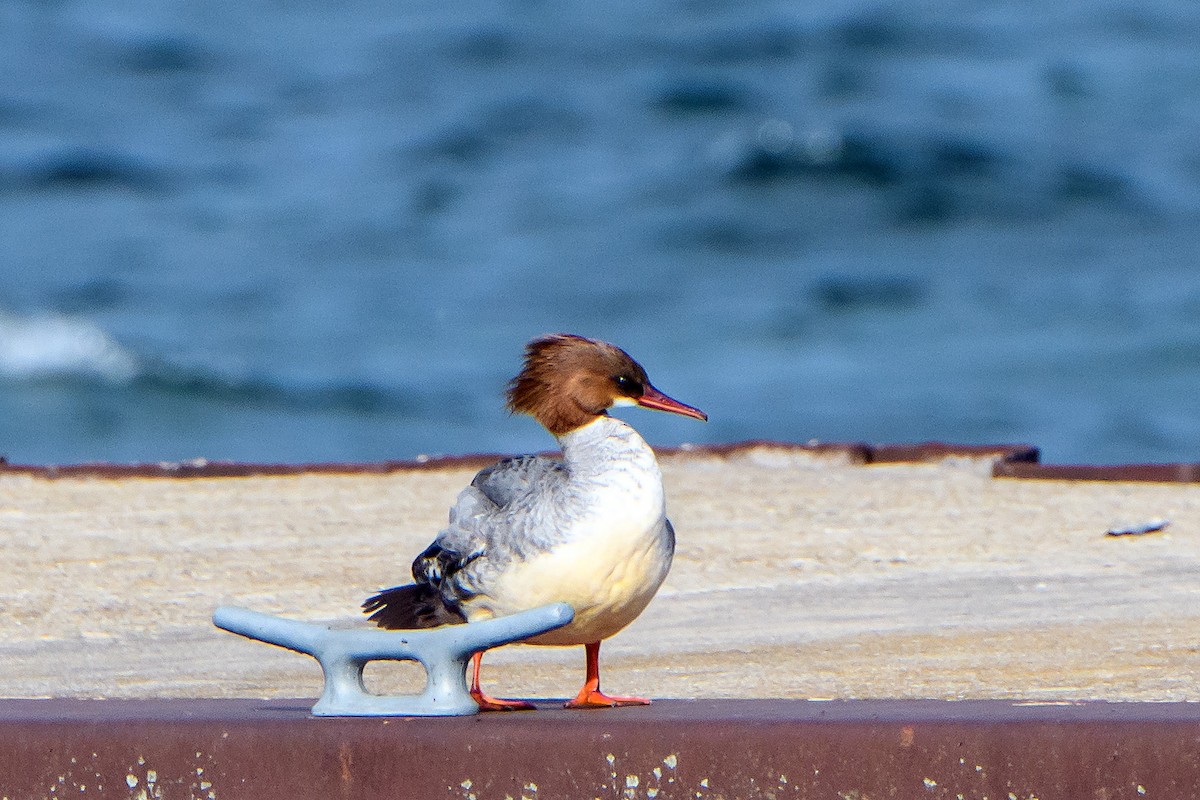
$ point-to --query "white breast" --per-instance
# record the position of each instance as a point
(615, 550)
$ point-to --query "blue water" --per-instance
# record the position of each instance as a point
(298, 231)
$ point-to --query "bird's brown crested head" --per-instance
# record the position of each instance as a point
(568, 381)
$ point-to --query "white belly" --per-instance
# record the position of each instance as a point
(608, 580)
(614, 543)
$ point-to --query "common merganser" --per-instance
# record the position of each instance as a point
(589, 530)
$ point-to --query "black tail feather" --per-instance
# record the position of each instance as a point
(416, 605)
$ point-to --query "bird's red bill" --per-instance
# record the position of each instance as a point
(653, 398)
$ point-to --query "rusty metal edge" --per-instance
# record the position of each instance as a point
(854, 452)
(1129, 473)
(677, 748)
(1020, 461)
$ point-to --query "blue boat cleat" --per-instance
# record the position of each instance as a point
(443, 652)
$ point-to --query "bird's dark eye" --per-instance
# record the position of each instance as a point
(630, 387)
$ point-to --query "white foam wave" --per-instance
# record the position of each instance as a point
(53, 345)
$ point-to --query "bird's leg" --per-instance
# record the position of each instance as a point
(487, 703)
(590, 695)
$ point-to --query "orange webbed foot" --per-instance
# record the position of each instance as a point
(590, 695)
(598, 699)
(487, 703)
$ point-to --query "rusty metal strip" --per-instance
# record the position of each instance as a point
(938, 451)
(203, 468)
(230, 749)
(1144, 473)
(852, 452)
(1009, 461)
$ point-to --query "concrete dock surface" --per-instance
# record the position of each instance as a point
(800, 573)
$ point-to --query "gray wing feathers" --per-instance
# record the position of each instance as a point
(512, 478)
(491, 523)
